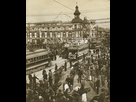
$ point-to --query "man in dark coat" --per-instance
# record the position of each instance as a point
(56, 77)
(98, 85)
(46, 96)
(50, 78)
(56, 67)
(45, 84)
(71, 82)
(30, 80)
(65, 66)
(102, 96)
(45, 76)
(43, 72)
(79, 75)
(68, 80)
(109, 85)
(34, 81)
(70, 63)
(59, 96)
(51, 56)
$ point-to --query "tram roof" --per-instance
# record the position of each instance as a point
(36, 54)
(39, 50)
(78, 47)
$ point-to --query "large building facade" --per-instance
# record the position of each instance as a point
(50, 32)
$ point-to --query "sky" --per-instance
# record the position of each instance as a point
(49, 10)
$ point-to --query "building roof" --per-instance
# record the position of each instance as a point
(77, 20)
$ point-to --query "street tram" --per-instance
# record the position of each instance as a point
(36, 61)
(77, 50)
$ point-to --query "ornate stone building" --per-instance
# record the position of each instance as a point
(50, 32)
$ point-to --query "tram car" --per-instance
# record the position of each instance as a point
(77, 50)
(37, 60)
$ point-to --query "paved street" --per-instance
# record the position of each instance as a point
(59, 61)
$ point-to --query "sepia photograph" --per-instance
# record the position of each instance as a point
(67, 50)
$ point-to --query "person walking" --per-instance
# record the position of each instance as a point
(79, 75)
(56, 67)
(46, 95)
(97, 70)
(50, 78)
(44, 76)
(30, 80)
(34, 81)
(68, 80)
(103, 80)
(91, 84)
(65, 66)
(56, 77)
(71, 81)
(43, 72)
(102, 96)
(97, 85)
(45, 84)
(83, 81)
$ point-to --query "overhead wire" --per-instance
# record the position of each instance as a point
(63, 5)
(57, 16)
(67, 7)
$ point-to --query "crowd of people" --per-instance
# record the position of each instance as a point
(95, 70)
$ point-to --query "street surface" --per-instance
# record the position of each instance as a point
(59, 61)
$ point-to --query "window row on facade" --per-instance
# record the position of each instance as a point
(54, 34)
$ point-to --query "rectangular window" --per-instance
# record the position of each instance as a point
(30, 40)
(45, 34)
(50, 34)
(30, 35)
(59, 35)
(66, 34)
